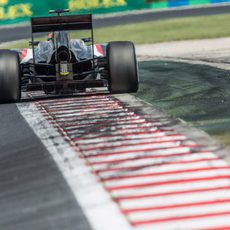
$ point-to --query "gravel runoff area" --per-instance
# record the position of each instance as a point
(214, 52)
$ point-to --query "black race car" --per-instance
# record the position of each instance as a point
(61, 65)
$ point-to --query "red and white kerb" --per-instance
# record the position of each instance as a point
(158, 177)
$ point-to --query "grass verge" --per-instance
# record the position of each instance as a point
(214, 26)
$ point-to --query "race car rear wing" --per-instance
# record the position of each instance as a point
(57, 23)
(60, 23)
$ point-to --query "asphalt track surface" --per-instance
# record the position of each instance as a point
(33, 192)
(11, 34)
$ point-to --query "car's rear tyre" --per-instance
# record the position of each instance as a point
(10, 76)
(122, 67)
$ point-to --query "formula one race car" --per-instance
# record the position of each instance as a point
(60, 65)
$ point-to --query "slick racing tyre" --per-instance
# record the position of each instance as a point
(122, 67)
(10, 75)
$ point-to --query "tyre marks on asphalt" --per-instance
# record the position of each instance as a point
(157, 176)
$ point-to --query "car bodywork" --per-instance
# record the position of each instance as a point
(63, 64)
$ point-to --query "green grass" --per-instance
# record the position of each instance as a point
(169, 30)
(162, 31)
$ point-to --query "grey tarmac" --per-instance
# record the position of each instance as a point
(33, 193)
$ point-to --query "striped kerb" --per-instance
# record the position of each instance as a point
(159, 178)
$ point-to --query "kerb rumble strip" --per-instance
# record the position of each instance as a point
(158, 177)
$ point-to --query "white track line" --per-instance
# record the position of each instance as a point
(224, 205)
(178, 176)
(167, 168)
(171, 188)
(213, 222)
(175, 200)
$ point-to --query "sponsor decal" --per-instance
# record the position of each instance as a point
(8, 11)
(95, 4)
(13, 11)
